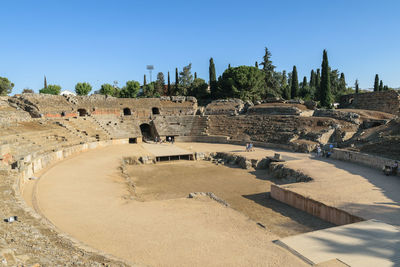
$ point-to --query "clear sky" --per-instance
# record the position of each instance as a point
(99, 42)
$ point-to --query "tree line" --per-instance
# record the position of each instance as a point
(324, 85)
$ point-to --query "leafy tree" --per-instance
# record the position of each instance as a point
(325, 91)
(108, 89)
(356, 87)
(385, 88)
(169, 85)
(213, 78)
(150, 90)
(160, 83)
(376, 83)
(185, 79)
(381, 86)
(51, 89)
(28, 91)
(83, 88)
(130, 90)
(244, 82)
(199, 89)
(5, 86)
(294, 89)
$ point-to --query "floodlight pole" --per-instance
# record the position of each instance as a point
(150, 68)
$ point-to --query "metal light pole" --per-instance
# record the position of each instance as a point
(150, 68)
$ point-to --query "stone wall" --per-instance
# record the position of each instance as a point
(278, 129)
(315, 208)
(362, 158)
(66, 106)
(386, 101)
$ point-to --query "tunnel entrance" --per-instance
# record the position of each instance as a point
(145, 128)
(82, 112)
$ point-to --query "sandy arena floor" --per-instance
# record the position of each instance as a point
(86, 198)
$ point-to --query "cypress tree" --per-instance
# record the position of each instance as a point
(381, 86)
(144, 80)
(229, 65)
(356, 86)
(176, 81)
(325, 91)
(256, 65)
(312, 79)
(376, 83)
(213, 78)
(45, 82)
(317, 85)
(385, 88)
(342, 82)
(195, 75)
(294, 92)
(169, 85)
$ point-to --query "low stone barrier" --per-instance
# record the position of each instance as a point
(313, 207)
(362, 158)
(32, 164)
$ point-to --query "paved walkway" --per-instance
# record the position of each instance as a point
(370, 243)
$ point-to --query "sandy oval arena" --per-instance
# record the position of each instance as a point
(86, 197)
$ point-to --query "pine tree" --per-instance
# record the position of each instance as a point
(376, 83)
(144, 80)
(325, 91)
(356, 86)
(45, 82)
(256, 65)
(213, 78)
(169, 85)
(294, 92)
(381, 86)
(269, 69)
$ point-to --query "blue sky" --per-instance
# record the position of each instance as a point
(102, 41)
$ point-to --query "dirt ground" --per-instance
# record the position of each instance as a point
(86, 198)
(245, 191)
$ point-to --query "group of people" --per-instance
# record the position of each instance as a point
(327, 152)
(249, 147)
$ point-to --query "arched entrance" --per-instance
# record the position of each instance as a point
(127, 112)
(82, 112)
(146, 131)
(155, 111)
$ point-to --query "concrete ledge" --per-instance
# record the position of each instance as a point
(315, 208)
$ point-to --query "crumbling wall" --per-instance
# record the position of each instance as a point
(277, 129)
(39, 105)
(386, 101)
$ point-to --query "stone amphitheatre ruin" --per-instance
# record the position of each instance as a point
(90, 187)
